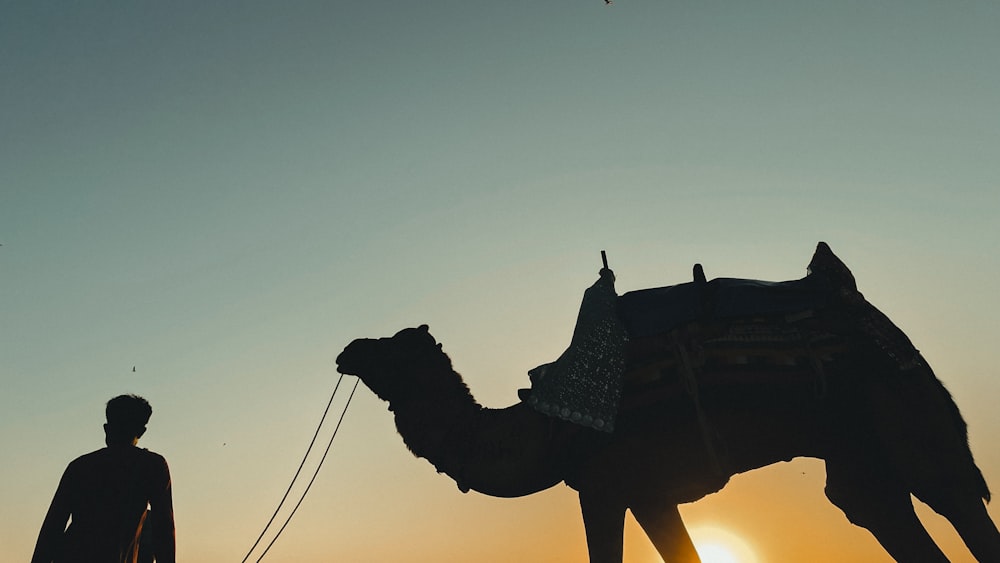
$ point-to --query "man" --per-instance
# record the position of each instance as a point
(106, 493)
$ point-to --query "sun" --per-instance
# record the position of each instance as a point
(715, 545)
(715, 553)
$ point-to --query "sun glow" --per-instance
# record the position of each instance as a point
(715, 545)
(715, 553)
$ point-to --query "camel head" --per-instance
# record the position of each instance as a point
(408, 364)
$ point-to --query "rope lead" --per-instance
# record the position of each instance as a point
(299, 470)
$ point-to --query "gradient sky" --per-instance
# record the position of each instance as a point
(225, 195)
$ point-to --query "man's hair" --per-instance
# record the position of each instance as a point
(127, 415)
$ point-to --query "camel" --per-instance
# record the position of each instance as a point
(711, 397)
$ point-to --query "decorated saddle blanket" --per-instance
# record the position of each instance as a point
(717, 328)
(584, 385)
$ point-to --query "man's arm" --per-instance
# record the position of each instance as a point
(162, 508)
(50, 537)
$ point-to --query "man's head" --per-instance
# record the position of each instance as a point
(127, 417)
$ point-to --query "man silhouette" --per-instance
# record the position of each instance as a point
(106, 494)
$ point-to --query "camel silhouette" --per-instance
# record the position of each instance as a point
(751, 374)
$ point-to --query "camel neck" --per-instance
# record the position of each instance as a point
(499, 452)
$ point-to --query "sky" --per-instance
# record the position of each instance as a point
(224, 195)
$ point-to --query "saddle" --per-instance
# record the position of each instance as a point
(648, 312)
(731, 320)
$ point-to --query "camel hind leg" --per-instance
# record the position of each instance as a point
(876, 501)
(924, 434)
(967, 513)
(942, 470)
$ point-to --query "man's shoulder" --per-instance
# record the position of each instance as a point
(152, 456)
(154, 463)
(118, 455)
(87, 458)
(87, 465)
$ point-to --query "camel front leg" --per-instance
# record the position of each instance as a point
(662, 523)
(604, 521)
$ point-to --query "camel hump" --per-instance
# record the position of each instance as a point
(826, 264)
